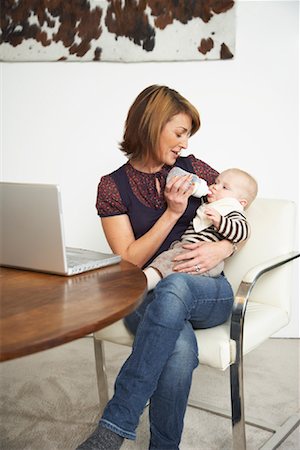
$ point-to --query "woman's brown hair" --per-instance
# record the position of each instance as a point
(147, 116)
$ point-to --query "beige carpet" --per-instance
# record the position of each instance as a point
(49, 400)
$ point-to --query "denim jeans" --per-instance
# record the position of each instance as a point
(164, 356)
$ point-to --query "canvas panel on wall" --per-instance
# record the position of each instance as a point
(117, 30)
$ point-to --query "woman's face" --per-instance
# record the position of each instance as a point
(174, 137)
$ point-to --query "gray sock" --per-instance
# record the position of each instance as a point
(102, 439)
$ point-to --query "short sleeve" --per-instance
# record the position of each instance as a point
(203, 170)
(109, 202)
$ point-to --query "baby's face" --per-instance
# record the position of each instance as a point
(226, 185)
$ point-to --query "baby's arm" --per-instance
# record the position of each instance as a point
(233, 227)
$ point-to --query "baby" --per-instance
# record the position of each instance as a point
(220, 218)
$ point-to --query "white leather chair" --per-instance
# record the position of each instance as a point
(261, 279)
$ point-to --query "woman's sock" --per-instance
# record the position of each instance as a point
(102, 439)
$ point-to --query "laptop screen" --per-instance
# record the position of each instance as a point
(32, 227)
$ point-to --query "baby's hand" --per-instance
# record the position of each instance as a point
(213, 215)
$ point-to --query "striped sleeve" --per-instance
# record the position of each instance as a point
(234, 227)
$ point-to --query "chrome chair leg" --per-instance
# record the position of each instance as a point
(236, 369)
(237, 407)
(101, 373)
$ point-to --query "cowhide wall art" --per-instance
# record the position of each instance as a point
(117, 30)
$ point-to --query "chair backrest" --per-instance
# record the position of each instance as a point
(273, 225)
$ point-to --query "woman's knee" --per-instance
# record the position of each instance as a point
(174, 288)
(168, 305)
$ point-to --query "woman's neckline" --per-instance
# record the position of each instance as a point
(147, 173)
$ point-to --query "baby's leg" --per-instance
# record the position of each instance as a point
(162, 265)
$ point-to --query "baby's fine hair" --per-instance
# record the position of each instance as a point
(249, 184)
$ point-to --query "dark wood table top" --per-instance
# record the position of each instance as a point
(40, 311)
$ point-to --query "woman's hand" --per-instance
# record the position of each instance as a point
(177, 192)
(203, 255)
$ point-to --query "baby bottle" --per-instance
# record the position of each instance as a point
(200, 188)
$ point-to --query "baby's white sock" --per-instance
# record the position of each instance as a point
(153, 277)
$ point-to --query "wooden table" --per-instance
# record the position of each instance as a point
(40, 311)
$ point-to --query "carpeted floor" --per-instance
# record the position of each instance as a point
(49, 401)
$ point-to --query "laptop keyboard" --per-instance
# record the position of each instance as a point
(76, 258)
(73, 261)
(88, 259)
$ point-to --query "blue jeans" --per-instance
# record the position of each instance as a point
(164, 355)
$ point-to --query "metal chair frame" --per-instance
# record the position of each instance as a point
(236, 369)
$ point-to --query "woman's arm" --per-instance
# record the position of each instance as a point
(120, 236)
(206, 255)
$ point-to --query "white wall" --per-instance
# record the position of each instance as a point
(61, 122)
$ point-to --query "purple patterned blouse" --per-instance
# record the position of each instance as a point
(129, 191)
(143, 185)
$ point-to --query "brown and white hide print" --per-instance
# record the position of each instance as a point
(117, 30)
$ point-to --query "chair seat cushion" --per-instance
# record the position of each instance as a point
(116, 333)
(216, 349)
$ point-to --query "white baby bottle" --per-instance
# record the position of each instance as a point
(201, 187)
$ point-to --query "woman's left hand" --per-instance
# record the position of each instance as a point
(201, 256)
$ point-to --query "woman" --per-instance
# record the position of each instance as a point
(141, 216)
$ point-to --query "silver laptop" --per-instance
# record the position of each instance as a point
(32, 235)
